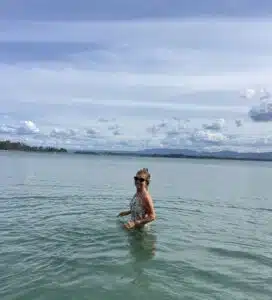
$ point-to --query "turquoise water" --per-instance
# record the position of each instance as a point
(60, 238)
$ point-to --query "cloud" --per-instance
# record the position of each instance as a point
(133, 9)
(217, 125)
(248, 93)
(262, 112)
(238, 123)
(201, 136)
(262, 94)
(91, 132)
(7, 129)
(135, 60)
(190, 136)
(171, 135)
(60, 133)
(24, 128)
(28, 127)
(134, 84)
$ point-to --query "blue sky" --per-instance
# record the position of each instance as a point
(129, 75)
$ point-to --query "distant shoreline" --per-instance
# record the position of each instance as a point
(223, 155)
(212, 156)
(18, 146)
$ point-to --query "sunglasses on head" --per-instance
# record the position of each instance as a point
(139, 179)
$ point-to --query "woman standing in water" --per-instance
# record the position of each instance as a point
(141, 206)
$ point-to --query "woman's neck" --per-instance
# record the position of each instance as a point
(141, 190)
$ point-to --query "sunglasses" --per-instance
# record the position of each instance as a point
(139, 179)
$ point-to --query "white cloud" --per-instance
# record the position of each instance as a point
(60, 133)
(92, 132)
(24, 128)
(248, 93)
(27, 127)
(262, 112)
(170, 135)
(137, 84)
(217, 125)
(7, 129)
(208, 137)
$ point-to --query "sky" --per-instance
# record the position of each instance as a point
(130, 75)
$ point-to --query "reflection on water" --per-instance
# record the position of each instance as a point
(141, 250)
(142, 247)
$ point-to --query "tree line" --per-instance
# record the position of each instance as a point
(18, 146)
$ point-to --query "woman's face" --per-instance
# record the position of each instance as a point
(140, 180)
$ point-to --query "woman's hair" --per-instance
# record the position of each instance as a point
(147, 176)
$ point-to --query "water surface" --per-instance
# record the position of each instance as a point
(60, 238)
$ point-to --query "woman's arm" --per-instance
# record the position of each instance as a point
(124, 213)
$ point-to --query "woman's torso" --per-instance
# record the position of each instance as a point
(137, 208)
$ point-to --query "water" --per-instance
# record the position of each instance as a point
(60, 238)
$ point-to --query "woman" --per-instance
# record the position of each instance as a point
(141, 206)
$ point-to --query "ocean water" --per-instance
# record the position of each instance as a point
(60, 237)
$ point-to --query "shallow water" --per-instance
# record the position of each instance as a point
(60, 238)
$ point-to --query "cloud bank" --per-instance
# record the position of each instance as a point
(128, 10)
(194, 83)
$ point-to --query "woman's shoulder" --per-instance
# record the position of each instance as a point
(146, 196)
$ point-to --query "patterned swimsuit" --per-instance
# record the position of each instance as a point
(137, 208)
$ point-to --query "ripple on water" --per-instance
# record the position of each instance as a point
(242, 255)
(61, 239)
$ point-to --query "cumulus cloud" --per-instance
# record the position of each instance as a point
(248, 93)
(173, 134)
(208, 137)
(134, 84)
(4, 129)
(91, 132)
(264, 94)
(27, 127)
(261, 113)
(24, 128)
(192, 137)
(261, 94)
(63, 133)
(115, 129)
(216, 126)
(159, 128)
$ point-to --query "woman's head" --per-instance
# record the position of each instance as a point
(142, 178)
